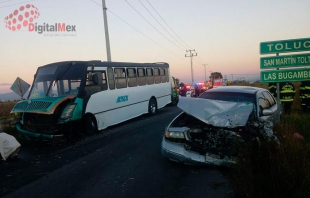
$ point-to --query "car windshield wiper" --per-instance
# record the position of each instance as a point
(58, 77)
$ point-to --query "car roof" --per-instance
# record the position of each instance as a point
(237, 89)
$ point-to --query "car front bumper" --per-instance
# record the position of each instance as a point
(177, 152)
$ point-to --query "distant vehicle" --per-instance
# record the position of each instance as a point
(92, 95)
(183, 90)
(218, 82)
(210, 126)
(200, 88)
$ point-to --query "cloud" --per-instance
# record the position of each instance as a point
(5, 84)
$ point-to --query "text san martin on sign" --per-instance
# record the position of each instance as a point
(285, 61)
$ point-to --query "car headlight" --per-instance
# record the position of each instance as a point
(174, 134)
(67, 113)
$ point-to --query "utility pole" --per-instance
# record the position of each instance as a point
(205, 71)
(191, 54)
(107, 41)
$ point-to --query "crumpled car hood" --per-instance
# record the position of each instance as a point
(217, 113)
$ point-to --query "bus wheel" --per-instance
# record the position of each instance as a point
(152, 106)
(90, 125)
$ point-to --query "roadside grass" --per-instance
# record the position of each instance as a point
(6, 117)
(5, 109)
(277, 170)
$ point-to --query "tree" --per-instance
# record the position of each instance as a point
(215, 75)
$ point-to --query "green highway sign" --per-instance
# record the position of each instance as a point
(283, 46)
(296, 60)
(301, 74)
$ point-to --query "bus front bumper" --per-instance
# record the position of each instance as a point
(34, 136)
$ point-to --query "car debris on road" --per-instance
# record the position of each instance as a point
(9, 146)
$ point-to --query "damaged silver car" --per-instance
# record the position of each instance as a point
(211, 126)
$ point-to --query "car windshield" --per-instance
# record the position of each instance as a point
(229, 96)
(57, 80)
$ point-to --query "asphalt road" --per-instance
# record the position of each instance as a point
(122, 161)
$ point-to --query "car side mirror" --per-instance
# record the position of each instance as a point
(267, 112)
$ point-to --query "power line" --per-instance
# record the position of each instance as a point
(201, 60)
(162, 25)
(152, 25)
(139, 31)
(15, 4)
(145, 35)
(168, 25)
(96, 3)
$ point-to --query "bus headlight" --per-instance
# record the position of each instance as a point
(67, 113)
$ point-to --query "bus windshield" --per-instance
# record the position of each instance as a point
(57, 80)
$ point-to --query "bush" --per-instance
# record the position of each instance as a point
(274, 170)
(5, 108)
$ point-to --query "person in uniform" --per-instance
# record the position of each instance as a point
(287, 94)
(304, 95)
(273, 89)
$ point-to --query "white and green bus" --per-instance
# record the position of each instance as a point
(66, 96)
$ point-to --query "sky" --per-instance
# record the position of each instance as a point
(225, 34)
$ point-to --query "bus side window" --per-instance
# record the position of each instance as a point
(156, 75)
(162, 73)
(149, 78)
(93, 83)
(132, 77)
(141, 76)
(99, 79)
(166, 74)
(111, 78)
(89, 79)
(104, 85)
(121, 78)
